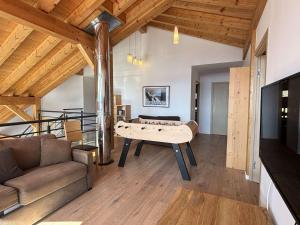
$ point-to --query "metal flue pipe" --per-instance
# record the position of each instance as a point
(103, 91)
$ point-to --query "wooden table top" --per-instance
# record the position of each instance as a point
(195, 208)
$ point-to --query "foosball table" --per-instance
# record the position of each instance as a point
(174, 132)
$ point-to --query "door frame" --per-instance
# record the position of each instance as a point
(258, 80)
(212, 97)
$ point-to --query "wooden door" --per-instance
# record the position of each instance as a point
(238, 113)
(220, 92)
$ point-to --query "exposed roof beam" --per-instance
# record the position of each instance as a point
(239, 4)
(121, 6)
(27, 15)
(139, 16)
(42, 50)
(200, 26)
(13, 41)
(62, 71)
(86, 8)
(20, 113)
(90, 18)
(87, 54)
(48, 63)
(47, 5)
(261, 4)
(215, 9)
(209, 18)
(199, 34)
(12, 100)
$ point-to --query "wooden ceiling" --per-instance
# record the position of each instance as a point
(42, 43)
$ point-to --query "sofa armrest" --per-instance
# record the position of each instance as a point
(85, 158)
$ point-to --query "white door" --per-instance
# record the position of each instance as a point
(220, 92)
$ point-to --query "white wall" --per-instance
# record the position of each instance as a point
(281, 18)
(166, 64)
(67, 95)
(205, 107)
(271, 199)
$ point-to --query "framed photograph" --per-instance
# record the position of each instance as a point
(156, 96)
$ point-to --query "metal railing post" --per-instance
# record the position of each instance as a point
(81, 119)
(48, 128)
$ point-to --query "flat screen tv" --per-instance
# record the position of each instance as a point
(280, 138)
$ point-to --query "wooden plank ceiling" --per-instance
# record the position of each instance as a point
(42, 43)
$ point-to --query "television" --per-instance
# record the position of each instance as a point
(280, 138)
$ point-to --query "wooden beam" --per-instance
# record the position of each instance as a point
(261, 4)
(206, 28)
(42, 50)
(89, 19)
(139, 16)
(209, 18)
(20, 113)
(61, 52)
(238, 4)
(63, 77)
(12, 100)
(36, 110)
(13, 41)
(63, 71)
(47, 5)
(27, 15)
(87, 54)
(199, 34)
(121, 6)
(215, 9)
(86, 8)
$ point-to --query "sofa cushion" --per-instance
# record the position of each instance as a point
(27, 151)
(43, 181)
(8, 166)
(8, 197)
(54, 151)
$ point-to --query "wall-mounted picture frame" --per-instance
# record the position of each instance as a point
(156, 96)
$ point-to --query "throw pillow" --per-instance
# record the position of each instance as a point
(54, 151)
(9, 168)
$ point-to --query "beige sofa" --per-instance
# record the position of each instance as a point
(41, 190)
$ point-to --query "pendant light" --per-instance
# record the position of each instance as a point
(129, 56)
(175, 36)
(135, 60)
(140, 61)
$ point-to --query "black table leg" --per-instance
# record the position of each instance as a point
(190, 154)
(124, 153)
(180, 160)
(139, 148)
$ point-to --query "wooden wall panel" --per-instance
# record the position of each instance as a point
(238, 113)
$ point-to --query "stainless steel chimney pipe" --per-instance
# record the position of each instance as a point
(103, 91)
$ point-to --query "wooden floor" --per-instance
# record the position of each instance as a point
(191, 207)
(140, 192)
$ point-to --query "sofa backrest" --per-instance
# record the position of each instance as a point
(27, 151)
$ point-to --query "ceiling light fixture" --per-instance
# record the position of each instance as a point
(176, 36)
(129, 56)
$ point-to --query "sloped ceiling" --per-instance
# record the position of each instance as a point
(32, 62)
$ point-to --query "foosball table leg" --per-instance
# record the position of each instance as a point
(190, 154)
(124, 153)
(139, 148)
(180, 160)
